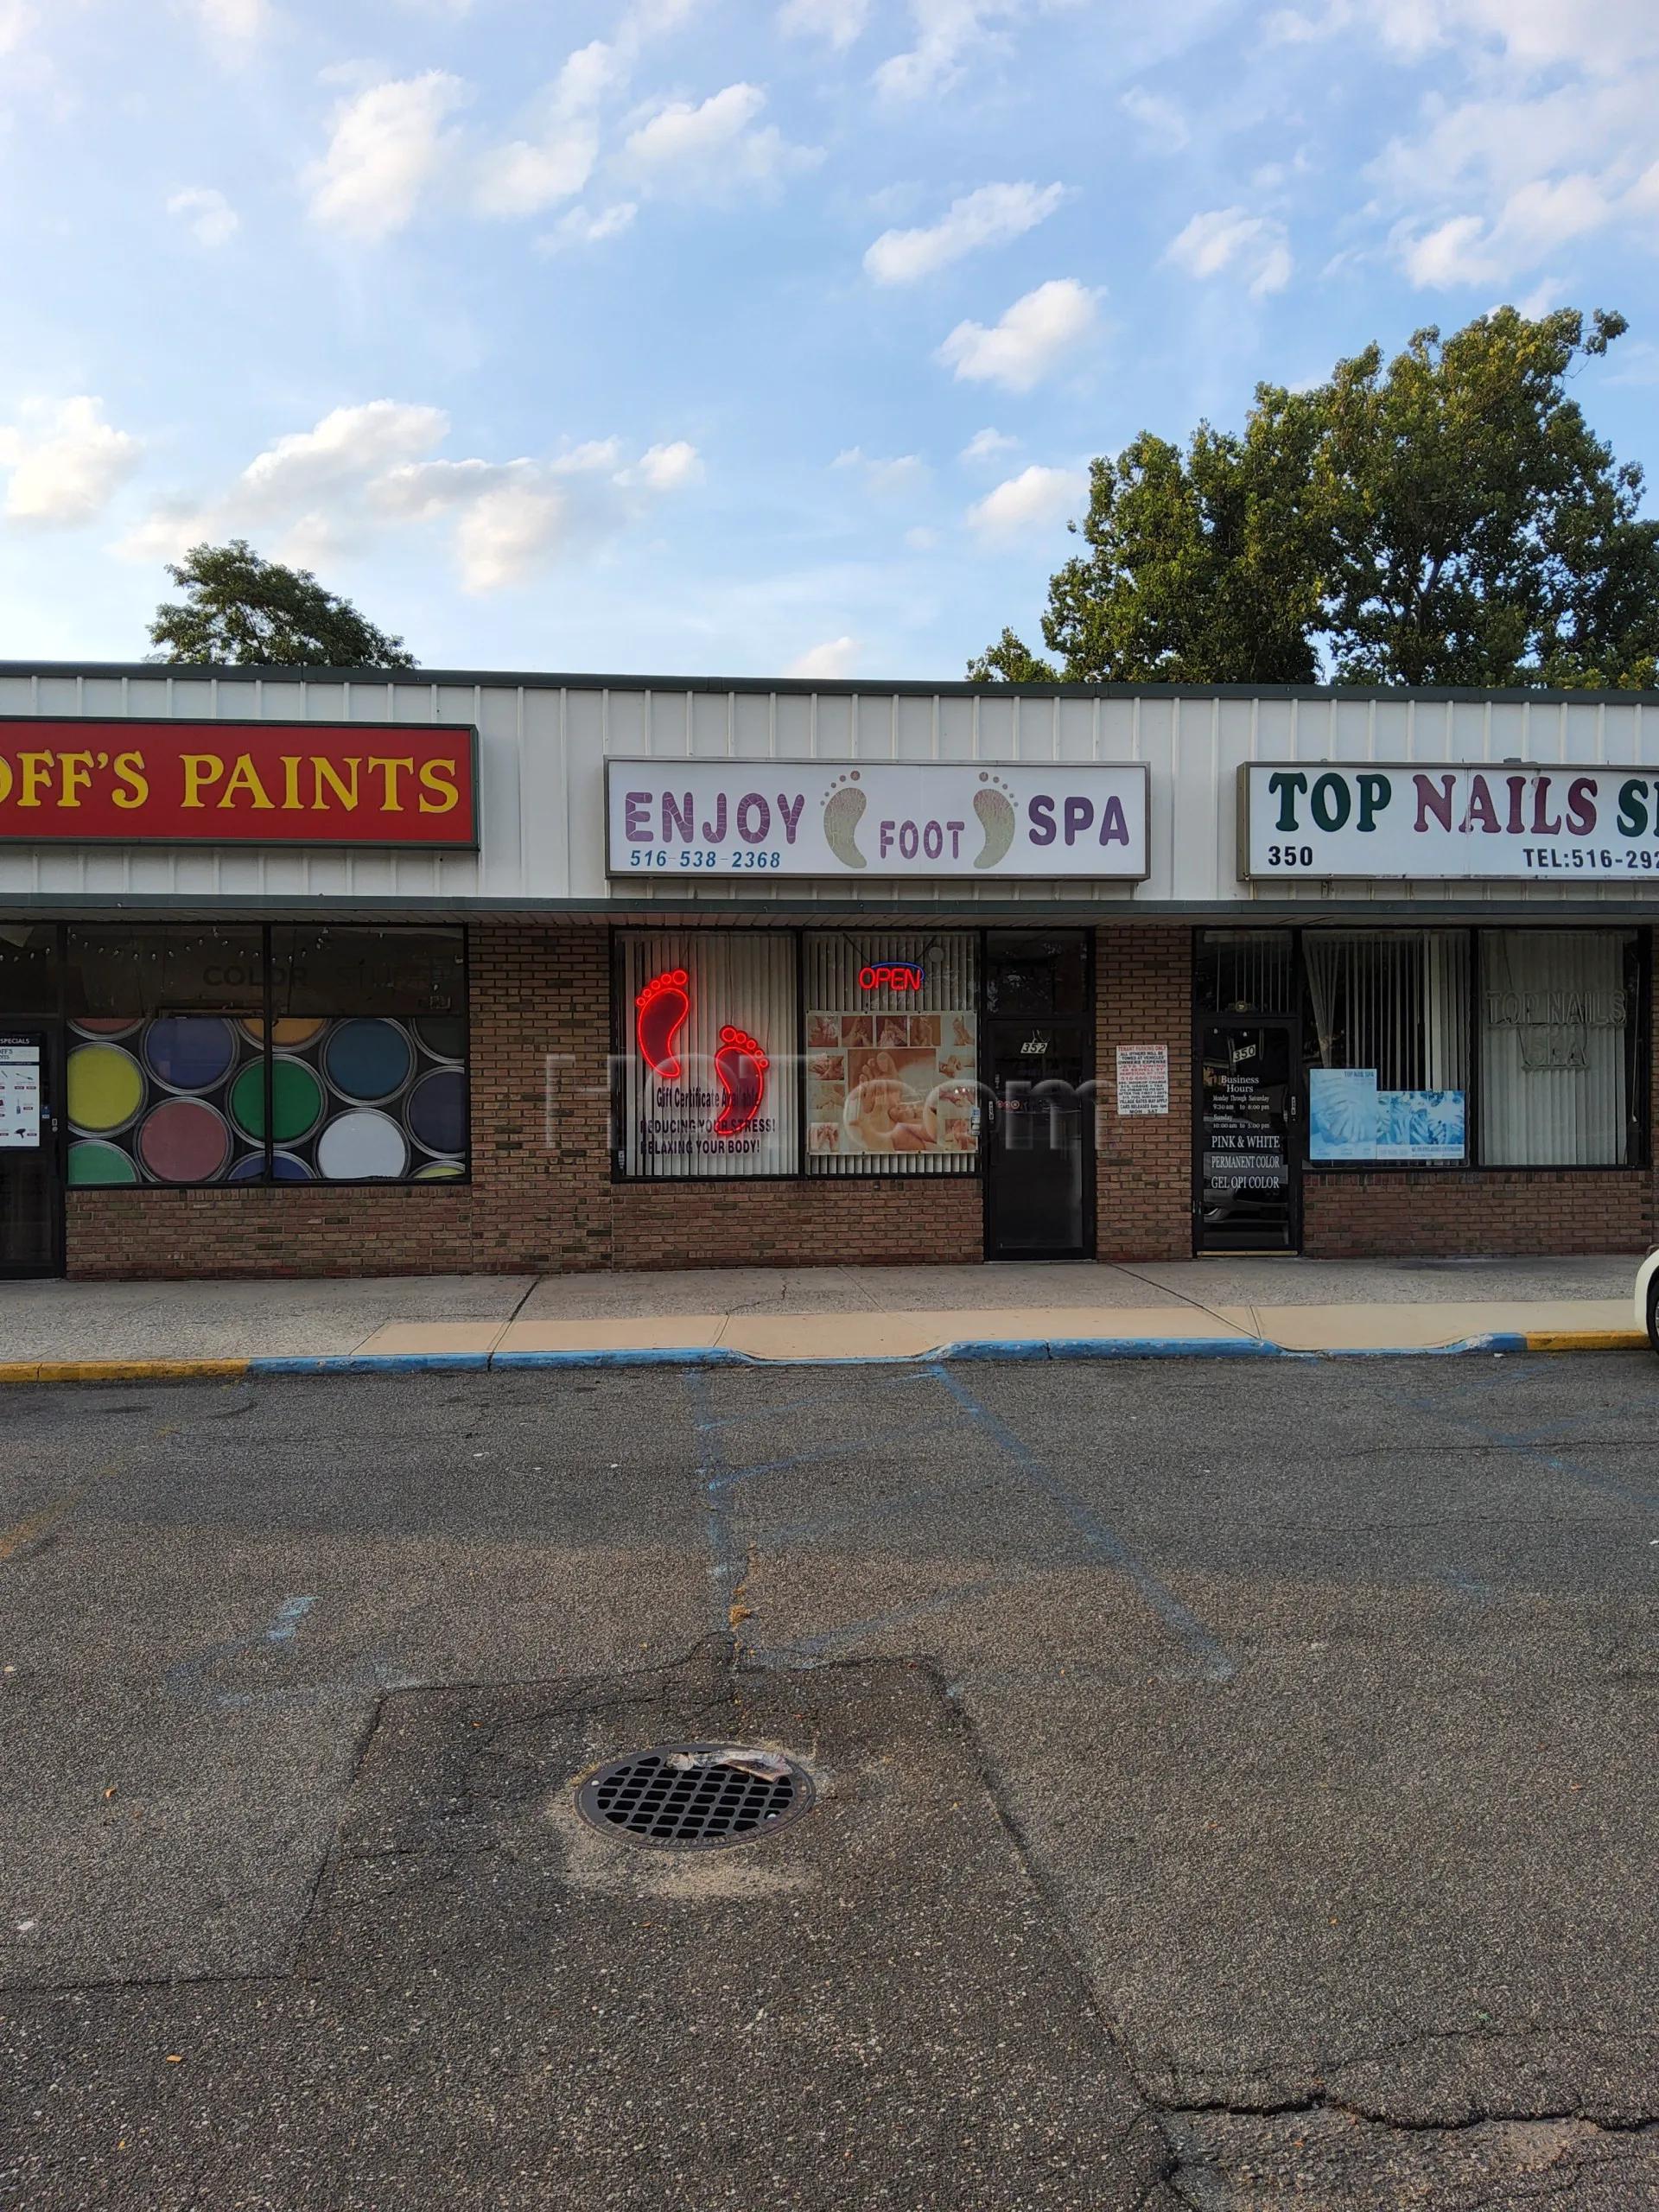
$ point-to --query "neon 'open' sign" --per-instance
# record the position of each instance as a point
(893, 976)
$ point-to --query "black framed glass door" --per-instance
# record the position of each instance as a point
(31, 1184)
(1036, 1067)
(1036, 1161)
(1248, 1168)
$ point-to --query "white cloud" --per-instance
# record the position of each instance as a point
(17, 19)
(1034, 334)
(232, 26)
(711, 150)
(835, 657)
(666, 468)
(1606, 36)
(528, 175)
(985, 445)
(1225, 238)
(1551, 146)
(366, 471)
(989, 217)
(581, 226)
(388, 146)
(906, 471)
(521, 179)
(67, 463)
(945, 31)
(838, 21)
(1037, 498)
(212, 218)
(1161, 119)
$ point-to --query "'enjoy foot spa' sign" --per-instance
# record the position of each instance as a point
(872, 819)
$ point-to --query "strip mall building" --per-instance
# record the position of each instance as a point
(452, 972)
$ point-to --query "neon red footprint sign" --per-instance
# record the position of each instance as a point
(662, 1009)
(741, 1066)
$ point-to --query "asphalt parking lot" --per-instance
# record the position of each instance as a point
(1237, 1788)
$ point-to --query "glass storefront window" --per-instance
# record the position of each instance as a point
(171, 1078)
(1026, 974)
(1390, 1020)
(28, 967)
(709, 1054)
(164, 1055)
(1559, 1064)
(368, 1058)
(1246, 971)
(892, 1054)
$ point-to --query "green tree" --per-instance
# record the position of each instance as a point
(1448, 519)
(1009, 661)
(1480, 533)
(241, 610)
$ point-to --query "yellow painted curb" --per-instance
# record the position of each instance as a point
(120, 1370)
(1586, 1341)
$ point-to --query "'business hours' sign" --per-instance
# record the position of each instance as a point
(874, 818)
(85, 782)
(1532, 823)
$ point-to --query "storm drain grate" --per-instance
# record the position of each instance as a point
(695, 1796)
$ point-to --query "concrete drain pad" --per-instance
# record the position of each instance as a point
(497, 2004)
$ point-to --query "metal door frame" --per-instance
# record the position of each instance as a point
(1088, 1022)
(1296, 1128)
(49, 1028)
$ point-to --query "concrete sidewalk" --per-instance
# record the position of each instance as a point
(1247, 1306)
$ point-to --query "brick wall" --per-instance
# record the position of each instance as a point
(1143, 1185)
(542, 1197)
(1492, 1211)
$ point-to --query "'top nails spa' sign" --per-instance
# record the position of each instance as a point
(1501, 820)
(870, 819)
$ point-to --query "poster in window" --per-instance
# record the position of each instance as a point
(20, 1094)
(1349, 1118)
(892, 1055)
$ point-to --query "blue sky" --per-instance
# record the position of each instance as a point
(740, 336)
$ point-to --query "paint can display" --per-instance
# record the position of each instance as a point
(190, 1052)
(105, 1089)
(362, 1146)
(368, 1061)
(106, 1025)
(285, 1168)
(96, 1166)
(441, 1037)
(184, 1140)
(436, 1111)
(296, 1100)
(288, 1033)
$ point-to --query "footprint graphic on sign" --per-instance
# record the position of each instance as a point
(996, 817)
(842, 812)
(741, 1066)
(663, 1006)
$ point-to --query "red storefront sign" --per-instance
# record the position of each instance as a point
(77, 781)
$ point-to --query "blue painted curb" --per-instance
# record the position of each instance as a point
(1013, 1348)
(688, 1355)
(1158, 1348)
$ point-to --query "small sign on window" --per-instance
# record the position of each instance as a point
(20, 1094)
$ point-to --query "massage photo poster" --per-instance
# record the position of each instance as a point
(850, 819)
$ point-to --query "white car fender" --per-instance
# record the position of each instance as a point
(1644, 1278)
